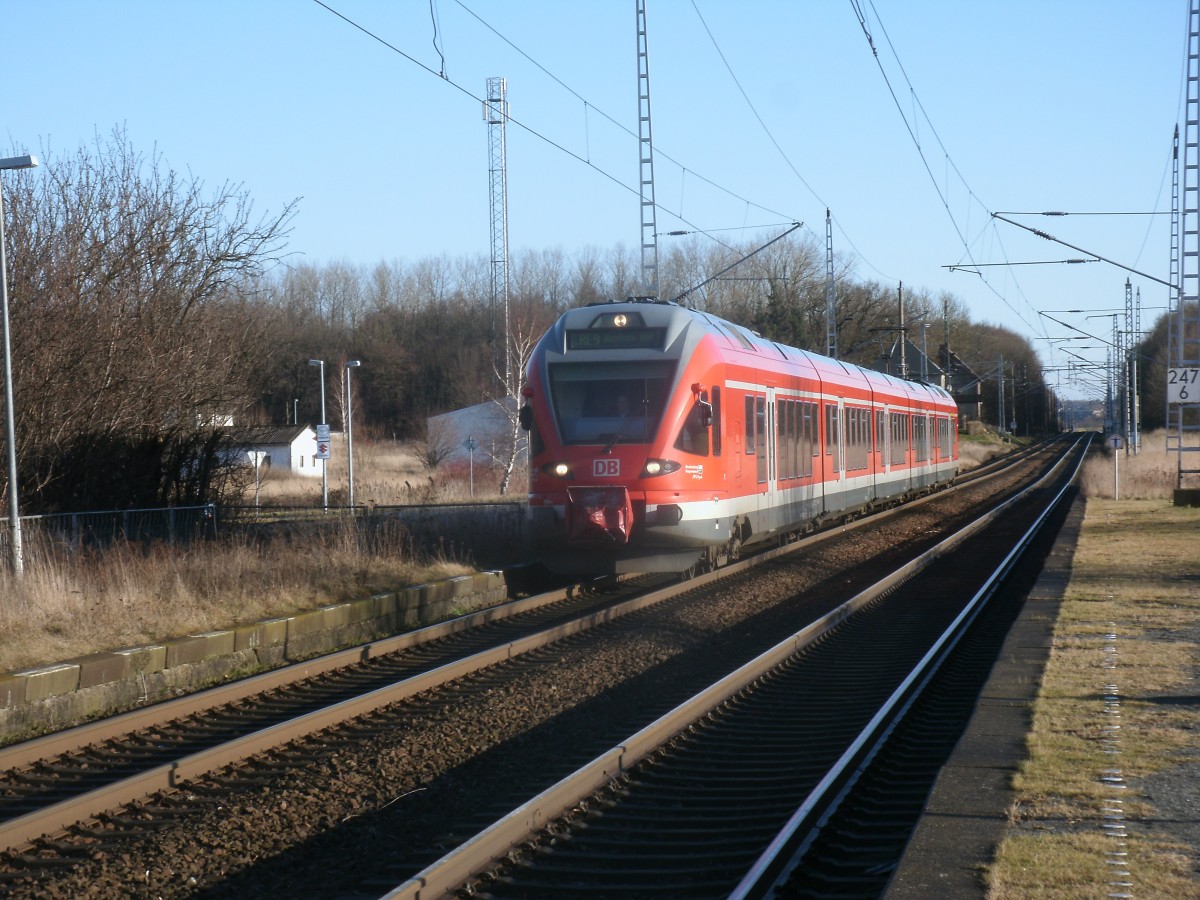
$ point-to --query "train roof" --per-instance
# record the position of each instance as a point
(671, 325)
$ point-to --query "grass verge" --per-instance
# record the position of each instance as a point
(1136, 575)
(69, 605)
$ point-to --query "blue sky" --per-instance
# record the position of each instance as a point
(1018, 105)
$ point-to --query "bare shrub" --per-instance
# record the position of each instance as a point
(437, 444)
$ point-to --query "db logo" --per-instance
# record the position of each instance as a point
(606, 468)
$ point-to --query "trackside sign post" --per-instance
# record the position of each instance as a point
(1116, 442)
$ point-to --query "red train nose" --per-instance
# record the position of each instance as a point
(599, 516)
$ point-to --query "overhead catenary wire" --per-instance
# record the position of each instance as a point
(591, 107)
(910, 127)
(510, 119)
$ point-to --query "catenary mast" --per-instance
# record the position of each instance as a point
(495, 113)
(646, 147)
(831, 347)
(1183, 406)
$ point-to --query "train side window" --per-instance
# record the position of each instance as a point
(880, 434)
(814, 444)
(794, 439)
(781, 416)
(783, 419)
(864, 438)
(852, 439)
(854, 426)
(899, 439)
(868, 437)
(749, 425)
(716, 420)
(831, 435)
(760, 427)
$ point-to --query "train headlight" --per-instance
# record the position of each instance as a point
(557, 470)
(655, 467)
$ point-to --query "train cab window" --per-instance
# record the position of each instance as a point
(536, 445)
(693, 434)
(609, 403)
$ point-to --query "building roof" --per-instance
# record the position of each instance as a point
(267, 434)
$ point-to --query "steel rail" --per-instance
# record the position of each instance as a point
(21, 831)
(18, 755)
(783, 853)
(476, 854)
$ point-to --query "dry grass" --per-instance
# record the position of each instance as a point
(72, 605)
(1135, 574)
(1070, 866)
(387, 473)
(1150, 474)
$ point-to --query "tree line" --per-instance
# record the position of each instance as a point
(147, 308)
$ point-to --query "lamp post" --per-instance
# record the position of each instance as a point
(323, 435)
(16, 554)
(350, 364)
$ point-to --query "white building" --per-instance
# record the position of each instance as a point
(292, 448)
(488, 424)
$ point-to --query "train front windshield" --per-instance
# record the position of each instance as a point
(610, 403)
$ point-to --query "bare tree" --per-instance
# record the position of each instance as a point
(131, 322)
(529, 323)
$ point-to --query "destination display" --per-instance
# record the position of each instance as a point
(615, 338)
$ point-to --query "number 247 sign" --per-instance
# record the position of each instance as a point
(1183, 385)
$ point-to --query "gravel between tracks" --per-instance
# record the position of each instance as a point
(415, 780)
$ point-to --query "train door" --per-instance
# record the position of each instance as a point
(882, 449)
(759, 452)
(833, 462)
(835, 441)
(759, 443)
(772, 447)
(840, 427)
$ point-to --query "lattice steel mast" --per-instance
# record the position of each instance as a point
(831, 347)
(1183, 417)
(646, 148)
(495, 113)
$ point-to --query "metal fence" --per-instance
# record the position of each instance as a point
(172, 524)
(487, 531)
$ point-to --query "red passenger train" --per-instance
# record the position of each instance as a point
(664, 439)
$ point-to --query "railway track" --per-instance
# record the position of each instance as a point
(803, 774)
(42, 800)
